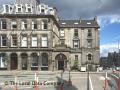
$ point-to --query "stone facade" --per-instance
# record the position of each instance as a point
(35, 39)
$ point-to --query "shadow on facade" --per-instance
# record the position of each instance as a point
(66, 86)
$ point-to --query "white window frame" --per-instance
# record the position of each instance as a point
(13, 23)
(76, 42)
(44, 41)
(3, 63)
(33, 25)
(2, 24)
(24, 41)
(29, 6)
(62, 33)
(3, 40)
(34, 41)
(43, 23)
(23, 23)
(17, 8)
(12, 45)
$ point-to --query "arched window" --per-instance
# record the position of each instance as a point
(3, 60)
(34, 59)
(24, 58)
(89, 57)
(44, 59)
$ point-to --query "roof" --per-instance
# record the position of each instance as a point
(78, 23)
(29, 16)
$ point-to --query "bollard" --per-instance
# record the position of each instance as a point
(15, 86)
(106, 82)
(61, 87)
(119, 84)
(36, 87)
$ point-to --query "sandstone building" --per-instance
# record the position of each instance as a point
(32, 37)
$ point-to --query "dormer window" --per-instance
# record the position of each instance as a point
(18, 8)
(28, 8)
(6, 8)
(88, 23)
(76, 23)
(63, 23)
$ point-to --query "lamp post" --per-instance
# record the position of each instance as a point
(87, 76)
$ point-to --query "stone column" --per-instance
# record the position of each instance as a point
(29, 62)
(50, 64)
(19, 62)
(39, 61)
(8, 62)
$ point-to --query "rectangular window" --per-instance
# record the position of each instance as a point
(89, 33)
(89, 43)
(76, 32)
(76, 57)
(3, 60)
(3, 24)
(76, 44)
(44, 41)
(34, 41)
(62, 33)
(24, 41)
(44, 25)
(24, 25)
(34, 25)
(18, 8)
(14, 40)
(28, 8)
(13, 25)
(3, 40)
(6, 8)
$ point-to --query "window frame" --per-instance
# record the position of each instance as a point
(14, 40)
(78, 43)
(3, 40)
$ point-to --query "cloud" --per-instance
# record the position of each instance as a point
(108, 19)
(85, 8)
(109, 47)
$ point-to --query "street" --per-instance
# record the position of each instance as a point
(51, 80)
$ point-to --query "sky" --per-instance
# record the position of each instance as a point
(107, 12)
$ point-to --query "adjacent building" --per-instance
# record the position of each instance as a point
(32, 37)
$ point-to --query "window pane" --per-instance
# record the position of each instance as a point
(34, 41)
(3, 24)
(24, 42)
(14, 40)
(3, 60)
(44, 42)
(3, 40)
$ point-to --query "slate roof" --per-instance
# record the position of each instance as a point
(78, 23)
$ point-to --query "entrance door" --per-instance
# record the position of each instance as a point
(60, 65)
(14, 61)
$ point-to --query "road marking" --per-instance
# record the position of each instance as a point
(115, 76)
(91, 85)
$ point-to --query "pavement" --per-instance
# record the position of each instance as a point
(49, 80)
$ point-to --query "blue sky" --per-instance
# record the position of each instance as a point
(107, 11)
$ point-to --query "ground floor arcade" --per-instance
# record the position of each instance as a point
(33, 61)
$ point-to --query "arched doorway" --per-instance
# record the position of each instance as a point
(14, 61)
(24, 58)
(61, 59)
(34, 61)
(44, 61)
